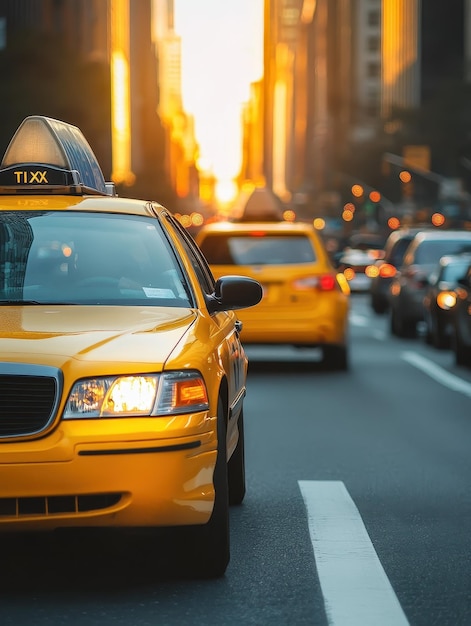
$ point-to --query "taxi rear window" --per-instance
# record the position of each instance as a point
(257, 249)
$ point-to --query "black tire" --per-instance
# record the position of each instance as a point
(462, 353)
(205, 549)
(402, 327)
(236, 468)
(379, 305)
(335, 358)
(440, 339)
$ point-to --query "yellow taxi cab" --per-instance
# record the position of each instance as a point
(305, 300)
(122, 372)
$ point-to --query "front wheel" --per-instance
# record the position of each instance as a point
(461, 351)
(205, 549)
(335, 357)
(236, 467)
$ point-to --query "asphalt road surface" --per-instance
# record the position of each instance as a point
(358, 511)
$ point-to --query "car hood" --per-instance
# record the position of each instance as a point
(54, 335)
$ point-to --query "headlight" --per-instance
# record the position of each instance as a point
(446, 300)
(169, 393)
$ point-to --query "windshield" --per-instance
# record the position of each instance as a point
(85, 258)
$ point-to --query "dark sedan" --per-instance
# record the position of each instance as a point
(440, 298)
(409, 285)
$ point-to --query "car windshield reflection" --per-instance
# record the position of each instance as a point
(79, 258)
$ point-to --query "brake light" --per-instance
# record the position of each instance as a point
(387, 270)
(325, 282)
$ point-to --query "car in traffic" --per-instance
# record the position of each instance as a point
(408, 287)
(122, 371)
(385, 268)
(358, 268)
(440, 298)
(460, 314)
(305, 299)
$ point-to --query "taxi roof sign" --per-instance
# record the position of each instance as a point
(46, 153)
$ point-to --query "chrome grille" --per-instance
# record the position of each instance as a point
(28, 398)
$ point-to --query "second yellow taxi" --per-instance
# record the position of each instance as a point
(305, 300)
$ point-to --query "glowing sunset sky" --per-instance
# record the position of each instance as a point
(222, 53)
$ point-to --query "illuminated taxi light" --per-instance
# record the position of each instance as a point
(446, 300)
(319, 223)
(372, 271)
(152, 395)
(387, 270)
(45, 152)
(131, 395)
(108, 397)
(349, 273)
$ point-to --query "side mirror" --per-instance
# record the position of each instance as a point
(234, 292)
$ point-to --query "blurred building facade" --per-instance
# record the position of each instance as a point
(131, 135)
(341, 80)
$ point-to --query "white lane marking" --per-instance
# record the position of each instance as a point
(364, 321)
(355, 587)
(358, 320)
(437, 373)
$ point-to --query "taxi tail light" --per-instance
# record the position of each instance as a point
(324, 282)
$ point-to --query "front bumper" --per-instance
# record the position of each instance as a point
(83, 476)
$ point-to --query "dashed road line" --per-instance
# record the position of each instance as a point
(355, 587)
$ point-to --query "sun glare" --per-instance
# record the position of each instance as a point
(222, 54)
(226, 191)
